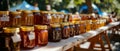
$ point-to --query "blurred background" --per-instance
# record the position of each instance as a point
(67, 6)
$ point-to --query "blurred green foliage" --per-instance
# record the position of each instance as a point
(105, 5)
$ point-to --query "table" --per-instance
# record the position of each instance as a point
(65, 44)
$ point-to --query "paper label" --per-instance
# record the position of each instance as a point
(18, 16)
(31, 36)
(30, 14)
(16, 38)
(4, 18)
(49, 16)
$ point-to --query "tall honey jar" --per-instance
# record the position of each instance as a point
(77, 28)
(41, 35)
(27, 18)
(4, 19)
(15, 19)
(46, 18)
(82, 26)
(11, 39)
(28, 37)
(65, 30)
(88, 25)
(94, 24)
(55, 33)
(60, 15)
(37, 17)
(72, 29)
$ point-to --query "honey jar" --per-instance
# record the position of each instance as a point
(4, 19)
(77, 28)
(72, 29)
(82, 27)
(65, 30)
(11, 38)
(28, 37)
(60, 15)
(94, 24)
(41, 34)
(37, 17)
(15, 19)
(27, 18)
(88, 25)
(46, 18)
(55, 33)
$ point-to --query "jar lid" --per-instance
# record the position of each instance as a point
(27, 28)
(70, 23)
(77, 22)
(4, 12)
(15, 13)
(55, 25)
(35, 10)
(27, 11)
(65, 24)
(41, 26)
(19, 10)
(82, 22)
(44, 12)
(10, 30)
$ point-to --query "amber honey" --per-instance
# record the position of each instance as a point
(65, 30)
(27, 18)
(82, 27)
(4, 19)
(15, 19)
(41, 34)
(28, 37)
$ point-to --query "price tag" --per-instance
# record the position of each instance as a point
(31, 35)
(16, 38)
(18, 16)
(4, 18)
(30, 14)
(49, 16)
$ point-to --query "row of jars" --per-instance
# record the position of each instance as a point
(25, 18)
(28, 37)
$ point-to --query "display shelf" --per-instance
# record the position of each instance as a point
(65, 44)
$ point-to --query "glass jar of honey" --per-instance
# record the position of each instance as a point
(15, 19)
(55, 33)
(65, 30)
(88, 25)
(41, 34)
(72, 29)
(46, 17)
(28, 37)
(37, 17)
(27, 18)
(82, 27)
(12, 38)
(77, 28)
(4, 19)
(94, 24)
(60, 16)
